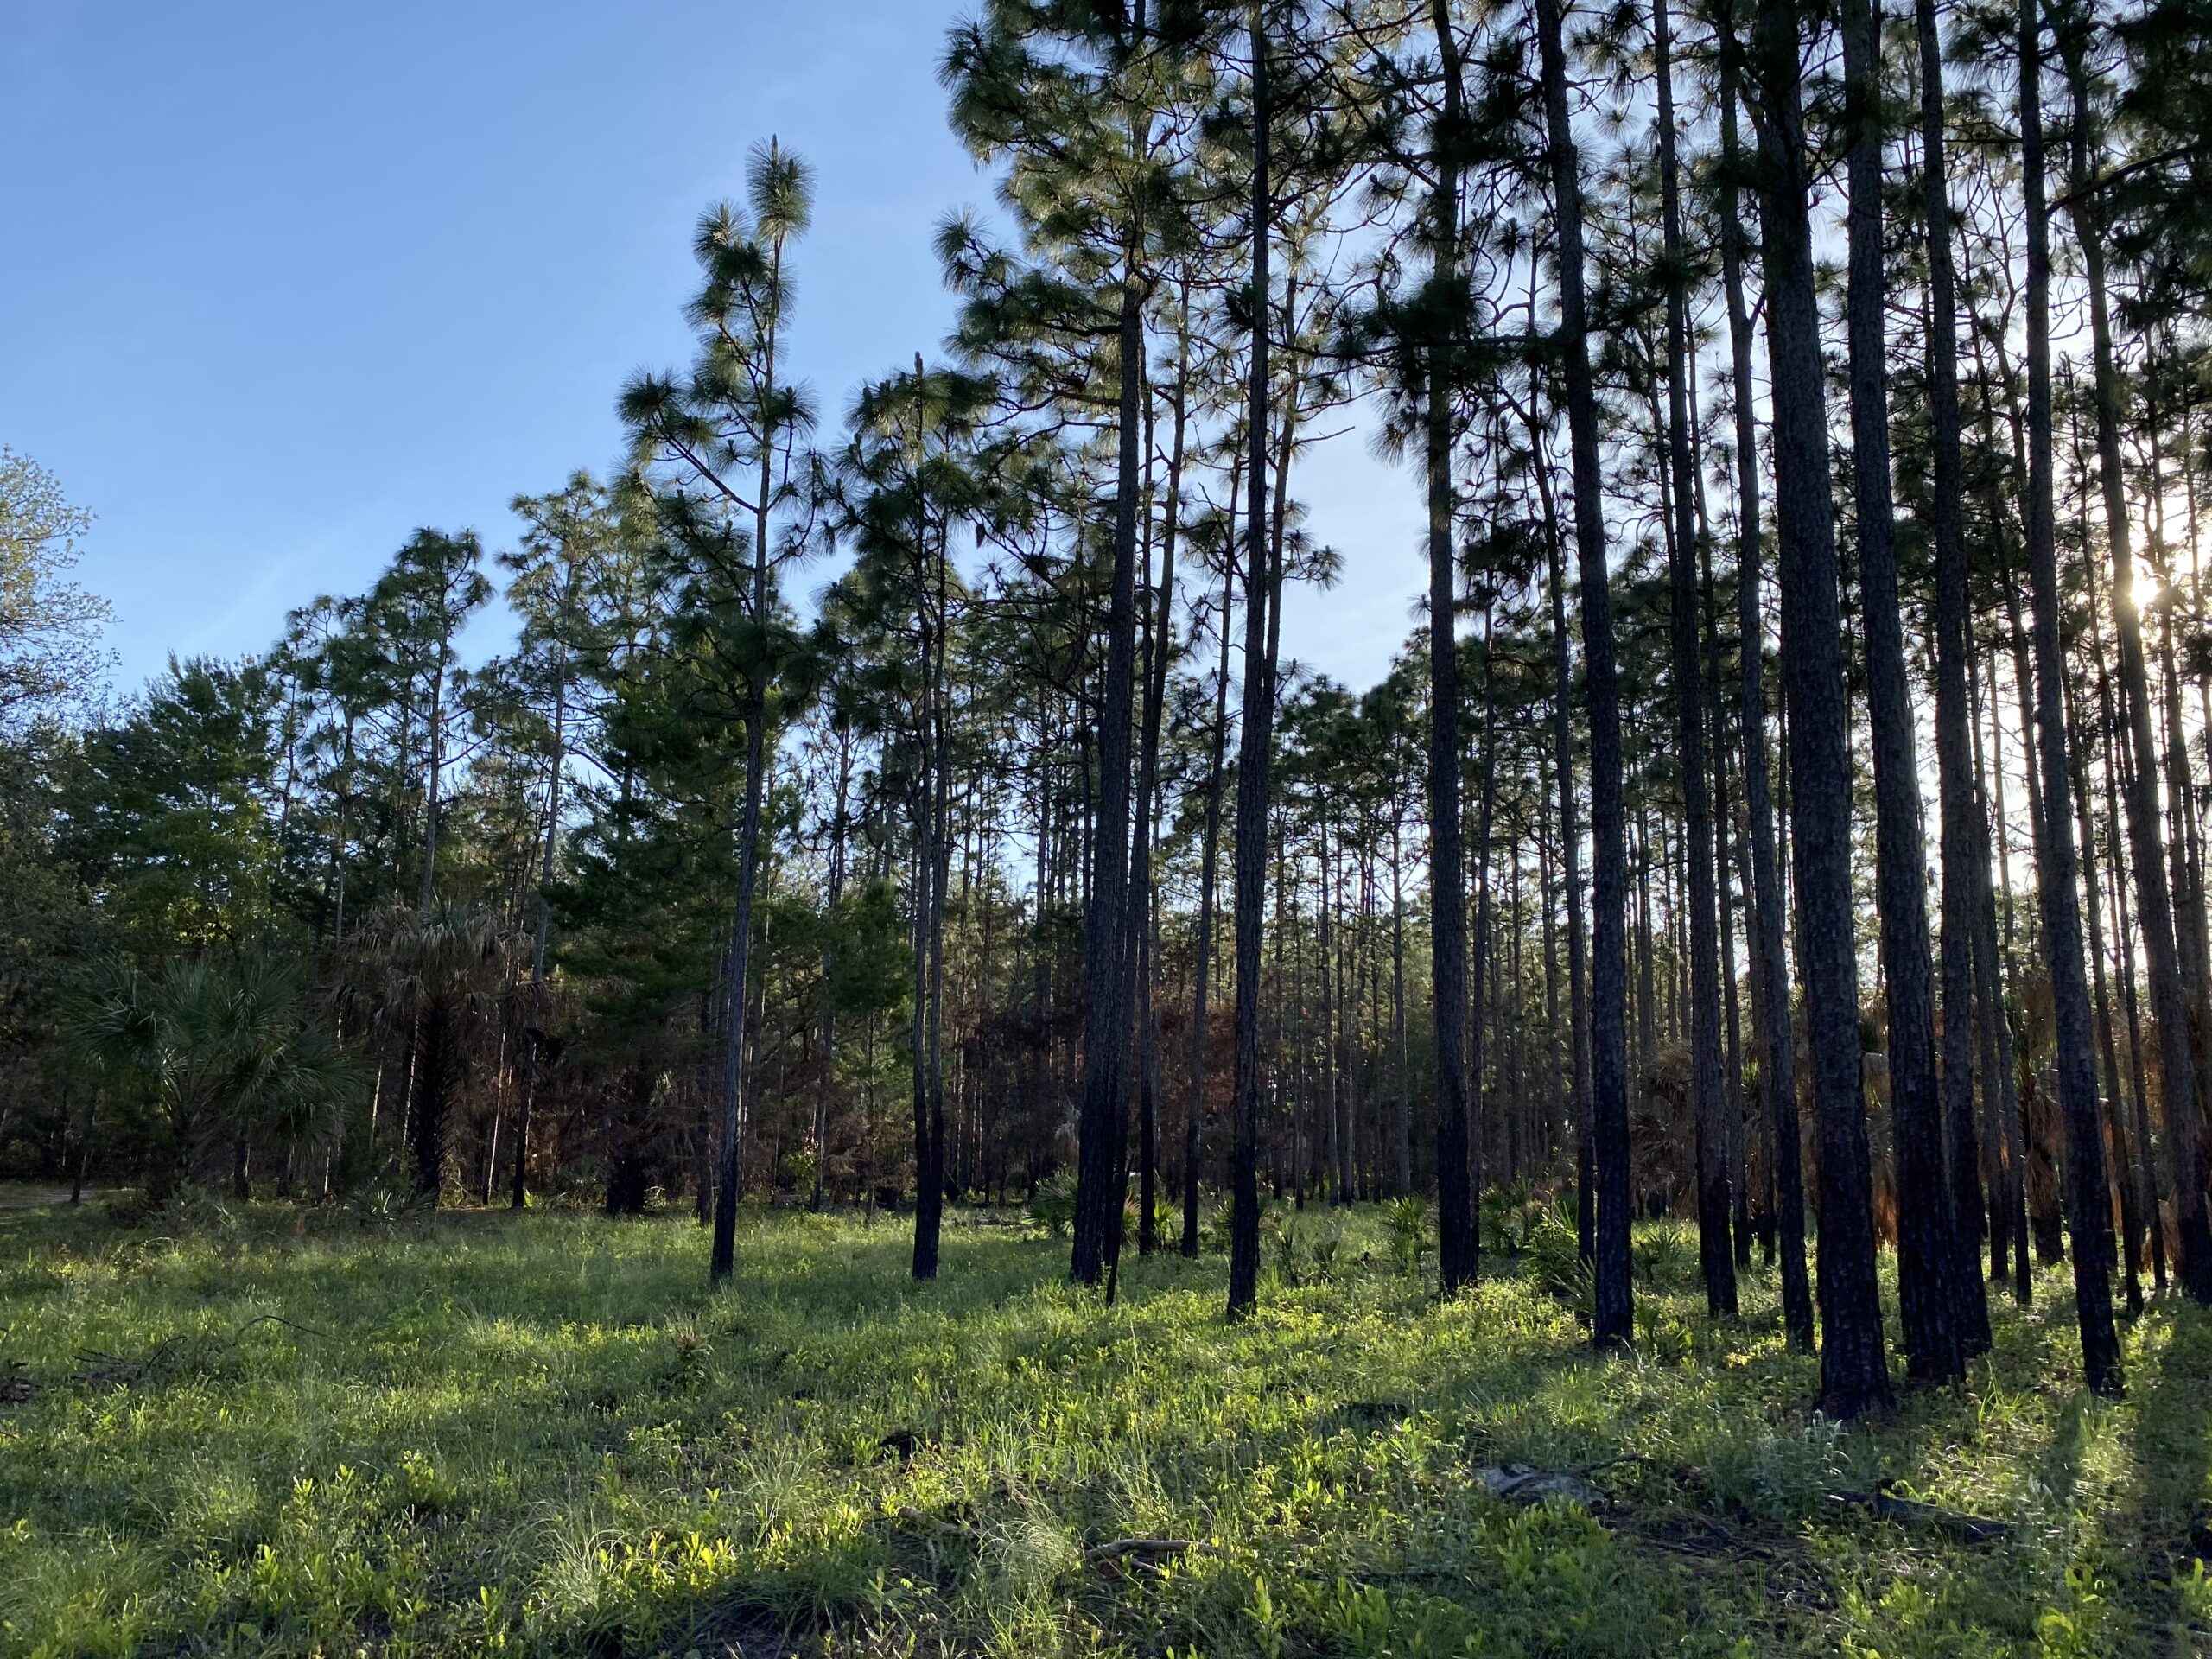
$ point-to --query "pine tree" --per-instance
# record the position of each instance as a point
(1963, 828)
(907, 479)
(1615, 1313)
(1709, 1105)
(567, 581)
(717, 450)
(1853, 1377)
(1930, 1294)
(1256, 728)
(1770, 1002)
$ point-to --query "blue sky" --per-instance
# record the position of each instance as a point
(284, 282)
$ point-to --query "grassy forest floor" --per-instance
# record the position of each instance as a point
(332, 1433)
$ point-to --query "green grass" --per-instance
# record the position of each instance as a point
(544, 1434)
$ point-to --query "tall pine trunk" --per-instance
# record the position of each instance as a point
(1614, 1321)
(1716, 1253)
(2088, 1206)
(740, 957)
(1570, 857)
(1853, 1376)
(1457, 1240)
(1962, 826)
(1770, 1019)
(2008, 1203)
(1256, 741)
(1202, 970)
(519, 1194)
(932, 861)
(1928, 1268)
(2154, 912)
(1143, 902)
(2124, 964)
(1103, 1122)
(2131, 1208)
(1401, 1119)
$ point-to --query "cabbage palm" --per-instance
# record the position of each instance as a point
(214, 1047)
(428, 969)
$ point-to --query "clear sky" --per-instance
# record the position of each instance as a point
(283, 282)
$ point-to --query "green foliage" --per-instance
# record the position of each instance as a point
(872, 957)
(1217, 1223)
(1664, 1255)
(1279, 1237)
(1326, 1247)
(172, 817)
(724, 433)
(1167, 1218)
(643, 910)
(49, 933)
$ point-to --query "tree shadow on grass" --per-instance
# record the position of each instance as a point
(2170, 1447)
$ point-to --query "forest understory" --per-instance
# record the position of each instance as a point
(369, 1429)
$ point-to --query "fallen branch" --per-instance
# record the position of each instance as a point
(915, 1517)
(1145, 1549)
(1520, 1482)
(1116, 1549)
(1686, 1532)
(278, 1319)
(105, 1371)
(1909, 1512)
(1679, 1472)
(100, 1369)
